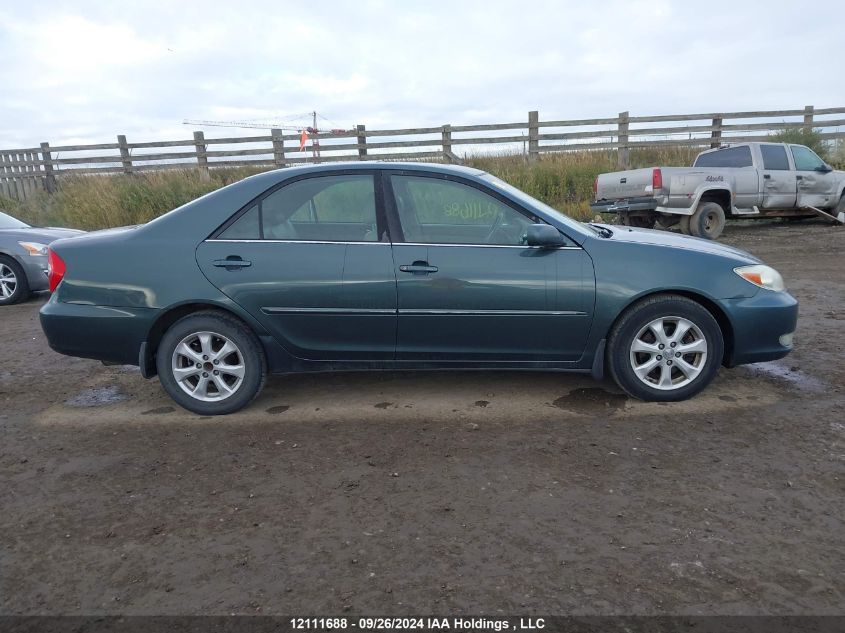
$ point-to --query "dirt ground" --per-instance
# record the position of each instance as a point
(435, 493)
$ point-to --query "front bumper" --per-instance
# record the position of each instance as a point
(103, 333)
(36, 271)
(624, 206)
(760, 325)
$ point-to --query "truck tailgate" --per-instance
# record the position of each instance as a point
(617, 185)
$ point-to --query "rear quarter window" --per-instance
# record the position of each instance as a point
(728, 157)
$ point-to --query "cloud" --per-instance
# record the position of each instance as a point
(91, 70)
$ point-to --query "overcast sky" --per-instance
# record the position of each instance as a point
(80, 71)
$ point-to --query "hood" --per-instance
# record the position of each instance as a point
(677, 240)
(39, 234)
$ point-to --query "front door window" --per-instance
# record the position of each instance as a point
(438, 211)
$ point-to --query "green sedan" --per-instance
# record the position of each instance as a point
(391, 266)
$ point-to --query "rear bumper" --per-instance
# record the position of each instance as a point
(624, 206)
(760, 324)
(99, 332)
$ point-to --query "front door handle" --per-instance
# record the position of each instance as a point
(232, 262)
(418, 268)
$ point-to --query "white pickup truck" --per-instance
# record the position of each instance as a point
(746, 180)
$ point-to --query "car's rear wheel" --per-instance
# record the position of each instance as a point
(211, 363)
(665, 348)
(14, 286)
(708, 221)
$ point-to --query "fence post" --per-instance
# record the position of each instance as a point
(362, 142)
(716, 134)
(3, 190)
(278, 147)
(623, 158)
(808, 118)
(202, 156)
(47, 159)
(446, 142)
(533, 136)
(124, 154)
(29, 171)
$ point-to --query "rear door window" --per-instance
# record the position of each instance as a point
(774, 157)
(728, 157)
(339, 208)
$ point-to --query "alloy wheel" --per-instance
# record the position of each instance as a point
(668, 353)
(8, 282)
(208, 366)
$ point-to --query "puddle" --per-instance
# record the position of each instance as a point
(97, 397)
(382, 405)
(796, 378)
(482, 403)
(591, 400)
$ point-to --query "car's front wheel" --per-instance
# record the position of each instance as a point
(211, 363)
(14, 286)
(665, 348)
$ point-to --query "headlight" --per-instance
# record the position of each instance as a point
(763, 276)
(35, 248)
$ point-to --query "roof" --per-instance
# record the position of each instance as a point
(383, 164)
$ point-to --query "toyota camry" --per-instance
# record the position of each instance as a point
(392, 266)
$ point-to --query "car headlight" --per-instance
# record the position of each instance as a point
(35, 249)
(762, 276)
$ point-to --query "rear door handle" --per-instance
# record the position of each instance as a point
(232, 262)
(418, 268)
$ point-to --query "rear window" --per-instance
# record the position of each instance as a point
(728, 157)
(774, 157)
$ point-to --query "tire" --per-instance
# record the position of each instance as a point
(14, 286)
(637, 221)
(708, 221)
(840, 208)
(200, 339)
(683, 225)
(633, 343)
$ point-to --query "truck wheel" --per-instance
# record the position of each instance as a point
(840, 208)
(708, 221)
(637, 221)
(665, 348)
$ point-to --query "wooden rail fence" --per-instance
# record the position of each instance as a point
(25, 170)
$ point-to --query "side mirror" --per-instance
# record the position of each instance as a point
(825, 168)
(543, 235)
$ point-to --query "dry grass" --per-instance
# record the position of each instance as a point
(562, 180)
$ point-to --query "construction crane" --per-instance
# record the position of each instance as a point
(311, 131)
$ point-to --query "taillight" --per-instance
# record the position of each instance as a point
(55, 269)
(656, 179)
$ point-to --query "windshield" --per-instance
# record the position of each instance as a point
(531, 202)
(8, 222)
